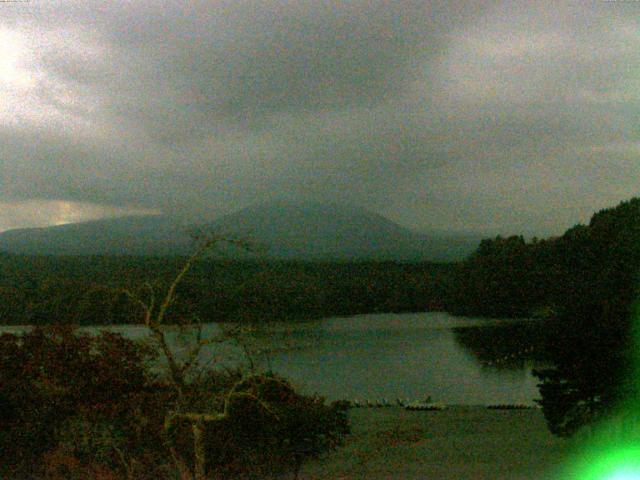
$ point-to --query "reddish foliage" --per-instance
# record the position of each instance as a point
(52, 374)
(77, 406)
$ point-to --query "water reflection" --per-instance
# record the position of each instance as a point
(406, 356)
(513, 345)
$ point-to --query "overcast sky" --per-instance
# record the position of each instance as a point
(481, 116)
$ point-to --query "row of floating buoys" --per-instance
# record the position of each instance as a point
(406, 404)
(423, 406)
(380, 403)
(510, 406)
(428, 405)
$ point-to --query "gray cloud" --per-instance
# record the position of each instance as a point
(504, 116)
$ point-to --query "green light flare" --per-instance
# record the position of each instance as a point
(625, 475)
(618, 462)
(613, 450)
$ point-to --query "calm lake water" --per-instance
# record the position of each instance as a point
(386, 356)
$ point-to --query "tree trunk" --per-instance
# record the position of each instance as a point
(199, 453)
(183, 469)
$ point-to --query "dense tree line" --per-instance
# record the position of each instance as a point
(90, 290)
(594, 339)
(586, 283)
(510, 277)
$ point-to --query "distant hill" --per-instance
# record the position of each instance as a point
(336, 231)
(135, 235)
(283, 230)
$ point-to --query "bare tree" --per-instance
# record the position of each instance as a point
(155, 308)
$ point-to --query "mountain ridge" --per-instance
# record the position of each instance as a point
(309, 231)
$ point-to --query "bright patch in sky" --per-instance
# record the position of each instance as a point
(461, 115)
(44, 213)
(12, 53)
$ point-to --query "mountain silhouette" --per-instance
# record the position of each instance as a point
(311, 231)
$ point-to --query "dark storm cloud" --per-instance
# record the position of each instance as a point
(492, 116)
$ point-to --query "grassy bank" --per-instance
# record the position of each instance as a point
(456, 444)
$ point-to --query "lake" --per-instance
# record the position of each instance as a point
(455, 360)
(403, 355)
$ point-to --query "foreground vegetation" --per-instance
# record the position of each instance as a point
(75, 406)
(82, 406)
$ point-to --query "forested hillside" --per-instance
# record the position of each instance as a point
(586, 281)
(511, 277)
